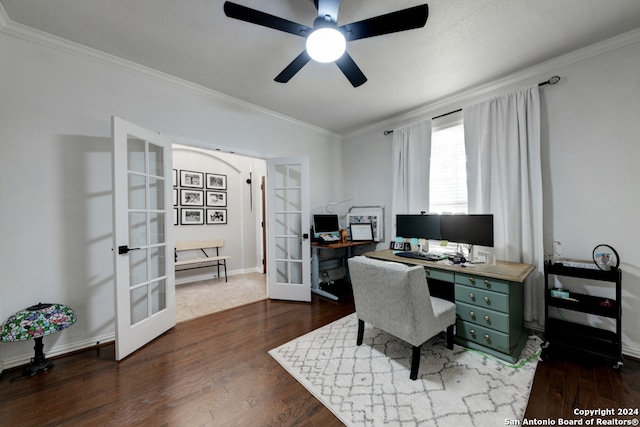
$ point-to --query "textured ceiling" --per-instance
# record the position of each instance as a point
(465, 43)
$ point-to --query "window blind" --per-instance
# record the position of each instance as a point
(448, 176)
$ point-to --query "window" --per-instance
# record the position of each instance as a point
(448, 176)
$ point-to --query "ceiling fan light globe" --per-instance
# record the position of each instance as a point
(326, 45)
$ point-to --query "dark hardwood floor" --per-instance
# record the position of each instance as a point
(215, 371)
(562, 386)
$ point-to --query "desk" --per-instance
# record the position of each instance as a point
(489, 301)
(315, 263)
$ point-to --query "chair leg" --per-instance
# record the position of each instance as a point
(415, 362)
(450, 337)
(360, 332)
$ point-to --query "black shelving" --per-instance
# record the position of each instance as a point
(563, 335)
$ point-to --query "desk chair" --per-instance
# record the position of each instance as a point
(395, 298)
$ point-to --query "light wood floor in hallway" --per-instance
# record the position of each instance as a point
(198, 299)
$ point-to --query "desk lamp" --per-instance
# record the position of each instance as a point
(34, 323)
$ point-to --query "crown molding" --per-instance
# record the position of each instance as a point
(461, 99)
(4, 19)
(62, 45)
(455, 100)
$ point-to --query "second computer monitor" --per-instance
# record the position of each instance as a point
(469, 229)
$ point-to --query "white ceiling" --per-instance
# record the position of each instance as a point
(465, 43)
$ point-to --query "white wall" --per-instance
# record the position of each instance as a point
(590, 149)
(56, 100)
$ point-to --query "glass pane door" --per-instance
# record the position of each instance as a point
(145, 280)
(288, 229)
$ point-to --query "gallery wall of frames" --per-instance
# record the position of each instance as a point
(199, 198)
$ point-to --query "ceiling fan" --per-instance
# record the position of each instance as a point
(326, 30)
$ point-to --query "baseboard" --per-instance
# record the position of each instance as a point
(57, 351)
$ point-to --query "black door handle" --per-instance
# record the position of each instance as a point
(123, 250)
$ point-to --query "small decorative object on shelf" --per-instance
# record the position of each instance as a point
(605, 257)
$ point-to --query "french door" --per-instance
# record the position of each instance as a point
(288, 224)
(143, 241)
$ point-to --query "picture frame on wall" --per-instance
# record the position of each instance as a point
(216, 216)
(216, 198)
(175, 197)
(191, 179)
(175, 177)
(216, 181)
(191, 197)
(190, 216)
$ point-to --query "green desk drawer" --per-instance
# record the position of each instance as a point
(435, 274)
(482, 298)
(482, 316)
(482, 282)
(483, 336)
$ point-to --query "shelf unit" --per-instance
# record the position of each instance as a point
(567, 335)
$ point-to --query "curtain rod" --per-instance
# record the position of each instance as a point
(553, 80)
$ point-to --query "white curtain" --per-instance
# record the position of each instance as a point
(411, 152)
(504, 178)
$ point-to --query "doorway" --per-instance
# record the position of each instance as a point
(228, 185)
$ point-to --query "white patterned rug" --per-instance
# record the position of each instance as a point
(370, 386)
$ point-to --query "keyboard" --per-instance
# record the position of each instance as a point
(416, 255)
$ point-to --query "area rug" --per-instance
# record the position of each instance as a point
(369, 385)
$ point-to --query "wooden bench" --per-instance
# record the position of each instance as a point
(208, 260)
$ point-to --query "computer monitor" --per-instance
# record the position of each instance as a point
(418, 226)
(469, 229)
(325, 223)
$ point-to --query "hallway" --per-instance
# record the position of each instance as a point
(210, 296)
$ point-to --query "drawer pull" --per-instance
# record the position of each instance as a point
(472, 332)
(472, 281)
(428, 271)
(472, 296)
(487, 283)
(472, 314)
(487, 337)
(486, 319)
(486, 299)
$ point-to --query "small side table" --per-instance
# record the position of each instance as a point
(34, 323)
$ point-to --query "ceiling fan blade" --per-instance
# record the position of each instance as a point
(351, 70)
(243, 13)
(406, 19)
(295, 66)
(328, 8)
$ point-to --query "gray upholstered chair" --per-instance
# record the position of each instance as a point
(395, 297)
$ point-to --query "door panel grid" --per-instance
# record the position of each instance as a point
(145, 294)
(288, 196)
